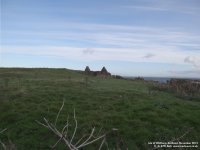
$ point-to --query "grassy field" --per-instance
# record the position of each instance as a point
(140, 114)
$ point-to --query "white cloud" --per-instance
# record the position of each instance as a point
(147, 8)
(163, 54)
(112, 35)
(194, 60)
(167, 6)
(88, 51)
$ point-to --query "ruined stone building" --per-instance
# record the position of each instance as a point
(103, 72)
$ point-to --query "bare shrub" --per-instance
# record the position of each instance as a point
(70, 141)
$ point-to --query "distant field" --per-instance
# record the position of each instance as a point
(140, 114)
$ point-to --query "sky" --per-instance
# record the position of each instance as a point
(150, 38)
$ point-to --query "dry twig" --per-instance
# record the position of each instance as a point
(3, 130)
(63, 134)
(2, 144)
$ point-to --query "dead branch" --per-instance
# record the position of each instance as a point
(63, 134)
(2, 144)
(3, 130)
(75, 127)
(59, 112)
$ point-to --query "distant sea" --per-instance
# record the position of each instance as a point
(162, 79)
(159, 79)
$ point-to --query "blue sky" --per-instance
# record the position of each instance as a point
(129, 37)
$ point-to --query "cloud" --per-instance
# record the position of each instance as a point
(193, 60)
(163, 54)
(88, 51)
(149, 55)
(109, 42)
(167, 6)
(105, 35)
(147, 8)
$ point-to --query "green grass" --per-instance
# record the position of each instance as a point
(27, 95)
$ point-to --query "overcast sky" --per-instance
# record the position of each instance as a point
(128, 37)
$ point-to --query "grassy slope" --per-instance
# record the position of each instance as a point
(27, 95)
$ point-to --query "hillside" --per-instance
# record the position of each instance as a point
(140, 113)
